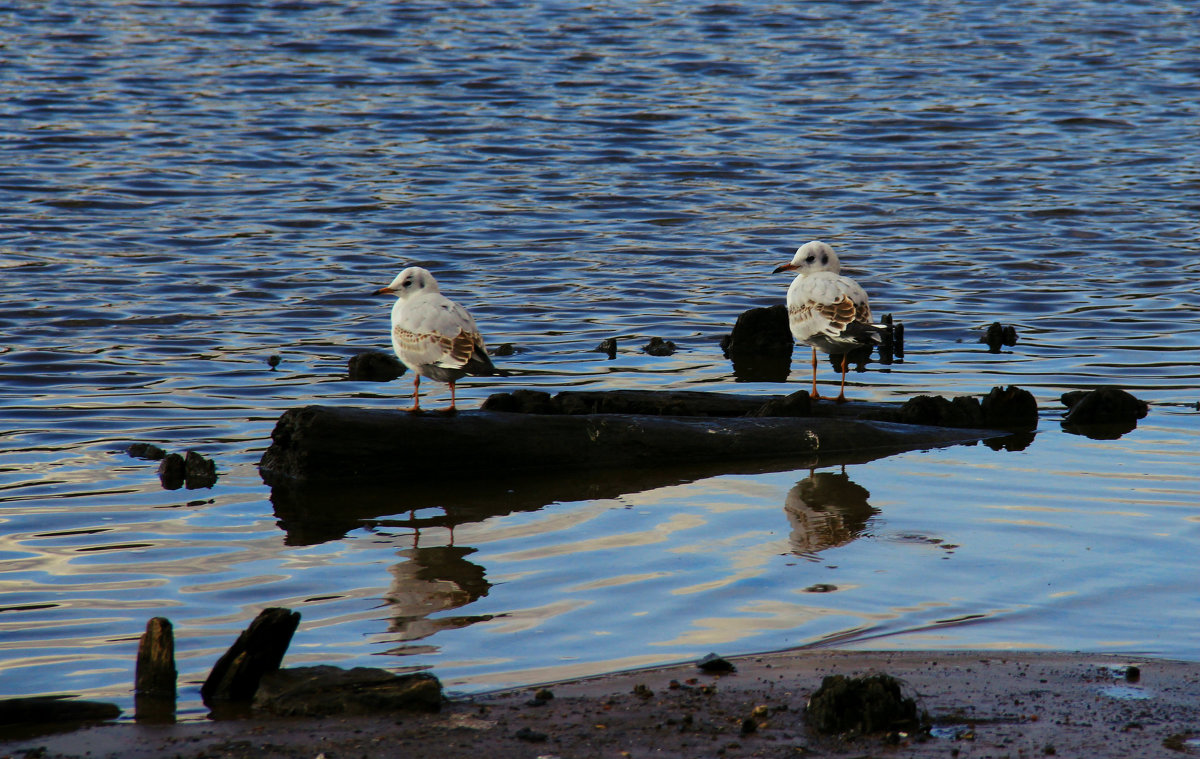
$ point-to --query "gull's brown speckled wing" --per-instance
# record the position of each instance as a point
(827, 309)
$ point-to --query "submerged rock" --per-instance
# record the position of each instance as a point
(1105, 413)
(1009, 408)
(375, 366)
(760, 332)
(323, 691)
(998, 335)
(869, 704)
(198, 471)
(609, 346)
(1104, 405)
(659, 347)
(171, 471)
(148, 451)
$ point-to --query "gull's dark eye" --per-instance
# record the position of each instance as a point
(406, 284)
(810, 259)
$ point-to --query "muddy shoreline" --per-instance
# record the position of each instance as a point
(982, 704)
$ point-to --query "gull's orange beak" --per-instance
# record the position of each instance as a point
(384, 291)
(784, 267)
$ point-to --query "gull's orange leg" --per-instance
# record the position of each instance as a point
(416, 394)
(451, 396)
(845, 363)
(814, 394)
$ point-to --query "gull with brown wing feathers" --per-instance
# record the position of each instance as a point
(827, 311)
(432, 335)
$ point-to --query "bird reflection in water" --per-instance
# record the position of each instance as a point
(431, 580)
(825, 510)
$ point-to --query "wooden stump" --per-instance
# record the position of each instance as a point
(154, 683)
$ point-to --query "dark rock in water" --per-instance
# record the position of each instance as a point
(324, 691)
(716, 665)
(171, 471)
(659, 347)
(798, 403)
(609, 346)
(760, 332)
(1009, 408)
(273, 361)
(258, 651)
(891, 343)
(522, 402)
(198, 471)
(147, 451)
(27, 717)
(375, 366)
(1105, 413)
(503, 349)
(1104, 405)
(857, 705)
(999, 334)
(963, 412)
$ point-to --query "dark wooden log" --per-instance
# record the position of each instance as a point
(29, 714)
(154, 681)
(333, 444)
(257, 651)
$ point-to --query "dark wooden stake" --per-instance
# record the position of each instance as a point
(154, 683)
(257, 651)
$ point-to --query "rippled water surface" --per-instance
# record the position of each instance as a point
(189, 188)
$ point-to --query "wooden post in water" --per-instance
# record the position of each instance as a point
(154, 682)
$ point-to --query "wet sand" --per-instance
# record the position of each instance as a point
(982, 704)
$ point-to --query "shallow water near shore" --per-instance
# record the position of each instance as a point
(187, 190)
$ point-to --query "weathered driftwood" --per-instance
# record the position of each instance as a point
(333, 444)
(258, 651)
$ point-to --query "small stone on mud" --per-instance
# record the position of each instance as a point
(869, 704)
(530, 736)
(749, 726)
(714, 664)
(641, 690)
(798, 403)
(522, 402)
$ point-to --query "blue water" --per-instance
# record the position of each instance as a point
(189, 188)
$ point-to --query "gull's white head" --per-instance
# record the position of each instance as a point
(812, 257)
(409, 282)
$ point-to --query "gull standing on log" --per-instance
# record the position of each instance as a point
(432, 335)
(826, 310)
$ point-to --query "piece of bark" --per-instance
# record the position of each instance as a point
(257, 651)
